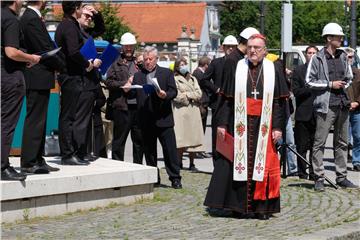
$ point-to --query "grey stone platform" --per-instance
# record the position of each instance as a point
(75, 188)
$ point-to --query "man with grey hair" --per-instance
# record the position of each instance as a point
(155, 114)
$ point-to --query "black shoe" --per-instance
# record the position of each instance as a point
(88, 158)
(50, 168)
(346, 184)
(262, 216)
(193, 168)
(176, 184)
(311, 177)
(319, 186)
(73, 161)
(303, 176)
(10, 174)
(356, 168)
(206, 155)
(36, 169)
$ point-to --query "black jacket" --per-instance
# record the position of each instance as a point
(117, 76)
(205, 97)
(212, 79)
(37, 40)
(152, 109)
(303, 95)
(68, 37)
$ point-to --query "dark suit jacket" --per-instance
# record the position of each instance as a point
(303, 95)
(152, 109)
(37, 40)
(212, 79)
(205, 98)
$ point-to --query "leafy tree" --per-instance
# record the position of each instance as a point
(309, 18)
(114, 26)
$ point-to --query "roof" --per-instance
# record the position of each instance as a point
(160, 22)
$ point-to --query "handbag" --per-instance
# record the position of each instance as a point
(52, 147)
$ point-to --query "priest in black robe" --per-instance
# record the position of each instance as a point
(254, 198)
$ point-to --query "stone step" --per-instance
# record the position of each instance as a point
(74, 188)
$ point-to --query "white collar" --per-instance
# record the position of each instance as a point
(36, 10)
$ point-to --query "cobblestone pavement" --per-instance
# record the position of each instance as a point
(180, 214)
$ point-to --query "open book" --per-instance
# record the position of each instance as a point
(155, 83)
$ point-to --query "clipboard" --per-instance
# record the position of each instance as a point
(88, 50)
(226, 147)
(109, 55)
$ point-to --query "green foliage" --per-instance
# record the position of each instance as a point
(113, 23)
(309, 18)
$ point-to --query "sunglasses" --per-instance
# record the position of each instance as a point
(88, 16)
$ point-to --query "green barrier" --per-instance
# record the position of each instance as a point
(52, 121)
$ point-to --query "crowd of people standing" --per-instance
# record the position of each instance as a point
(247, 93)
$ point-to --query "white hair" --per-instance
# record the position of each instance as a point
(149, 49)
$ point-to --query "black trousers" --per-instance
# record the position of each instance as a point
(304, 139)
(33, 140)
(124, 122)
(12, 96)
(167, 140)
(75, 115)
(204, 114)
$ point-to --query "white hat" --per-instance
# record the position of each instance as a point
(332, 29)
(128, 39)
(230, 40)
(248, 32)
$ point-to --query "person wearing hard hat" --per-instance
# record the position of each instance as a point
(212, 81)
(330, 74)
(121, 110)
(228, 79)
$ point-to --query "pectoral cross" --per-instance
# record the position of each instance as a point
(255, 93)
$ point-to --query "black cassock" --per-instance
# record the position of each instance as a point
(223, 192)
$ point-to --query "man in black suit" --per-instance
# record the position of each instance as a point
(304, 117)
(39, 80)
(155, 114)
(77, 85)
(212, 81)
(198, 73)
(13, 61)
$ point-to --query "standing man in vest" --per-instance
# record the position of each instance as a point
(330, 74)
(250, 182)
(39, 80)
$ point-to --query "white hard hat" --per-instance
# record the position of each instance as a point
(332, 29)
(230, 40)
(128, 39)
(248, 32)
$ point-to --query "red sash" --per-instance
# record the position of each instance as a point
(272, 168)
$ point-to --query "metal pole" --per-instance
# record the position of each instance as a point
(262, 17)
(353, 39)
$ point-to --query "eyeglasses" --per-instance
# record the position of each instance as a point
(88, 16)
(256, 48)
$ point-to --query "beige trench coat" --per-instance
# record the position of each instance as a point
(188, 125)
